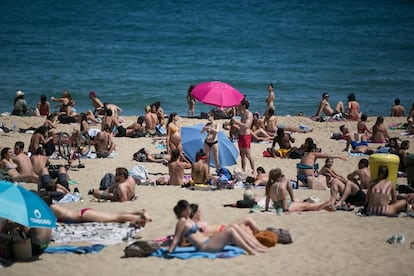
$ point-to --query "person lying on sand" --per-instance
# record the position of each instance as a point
(188, 229)
(136, 218)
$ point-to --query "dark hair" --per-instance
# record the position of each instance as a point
(280, 131)
(3, 152)
(122, 172)
(324, 95)
(43, 99)
(245, 103)
(397, 101)
(270, 84)
(351, 97)
(108, 112)
(194, 209)
(140, 120)
(19, 144)
(200, 154)
(171, 117)
(180, 207)
(363, 162)
(175, 154)
(404, 144)
(364, 117)
(42, 130)
(341, 128)
(261, 170)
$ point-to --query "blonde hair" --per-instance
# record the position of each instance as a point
(274, 175)
(147, 108)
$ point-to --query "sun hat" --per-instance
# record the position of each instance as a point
(19, 93)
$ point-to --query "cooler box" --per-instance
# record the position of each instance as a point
(409, 168)
(384, 159)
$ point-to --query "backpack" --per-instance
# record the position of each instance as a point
(141, 249)
(224, 172)
(107, 181)
(140, 156)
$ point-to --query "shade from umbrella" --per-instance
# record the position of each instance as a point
(193, 141)
(24, 207)
(217, 93)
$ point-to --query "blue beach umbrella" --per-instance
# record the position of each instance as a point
(193, 141)
(24, 207)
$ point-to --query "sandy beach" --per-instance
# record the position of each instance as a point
(325, 243)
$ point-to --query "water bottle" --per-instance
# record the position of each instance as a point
(14, 127)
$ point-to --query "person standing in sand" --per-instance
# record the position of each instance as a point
(270, 99)
(191, 102)
(325, 107)
(173, 134)
(245, 137)
(397, 110)
(211, 141)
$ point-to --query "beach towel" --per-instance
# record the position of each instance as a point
(68, 249)
(96, 232)
(185, 253)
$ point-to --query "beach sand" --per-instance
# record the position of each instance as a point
(325, 243)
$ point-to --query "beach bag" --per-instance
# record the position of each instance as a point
(224, 172)
(296, 154)
(140, 156)
(245, 203)
(107, 181)
(284, 236)
(139, 173)
(141, 249)
(266, 237)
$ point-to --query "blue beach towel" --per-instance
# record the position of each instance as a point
(191, 252)
(66, 249)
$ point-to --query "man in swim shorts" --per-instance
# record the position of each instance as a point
(245, 137)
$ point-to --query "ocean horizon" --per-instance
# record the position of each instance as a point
(133, 53)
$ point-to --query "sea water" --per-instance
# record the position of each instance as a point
(133, 53)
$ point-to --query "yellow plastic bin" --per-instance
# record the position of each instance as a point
(384, 159)
(409, 168)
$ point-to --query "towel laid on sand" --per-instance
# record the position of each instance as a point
(191, 252)
(105, 233)
(66, 249)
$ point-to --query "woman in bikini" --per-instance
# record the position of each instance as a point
(211, 142)
(362, 127)
(173, 134)
(7, 164)
(43, 106)
(270, 122)
(277, 189)
(379, 193)
(379, 131)
(186, 228)
(353, 109)
(136, 218)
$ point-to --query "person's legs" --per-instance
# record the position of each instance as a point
(215, 150)
(396, 207)
(340, 107)
(62, 178)
(243, 158)
(250, 223)
(207, 150)
(336, 187)
(250, 157)
(350, 189)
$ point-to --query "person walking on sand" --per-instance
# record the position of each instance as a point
(325, 107)
(191, 102)
(245, 137)
(397, 110)
(270, 99)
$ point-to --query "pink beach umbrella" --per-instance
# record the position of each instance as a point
(217, 93)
